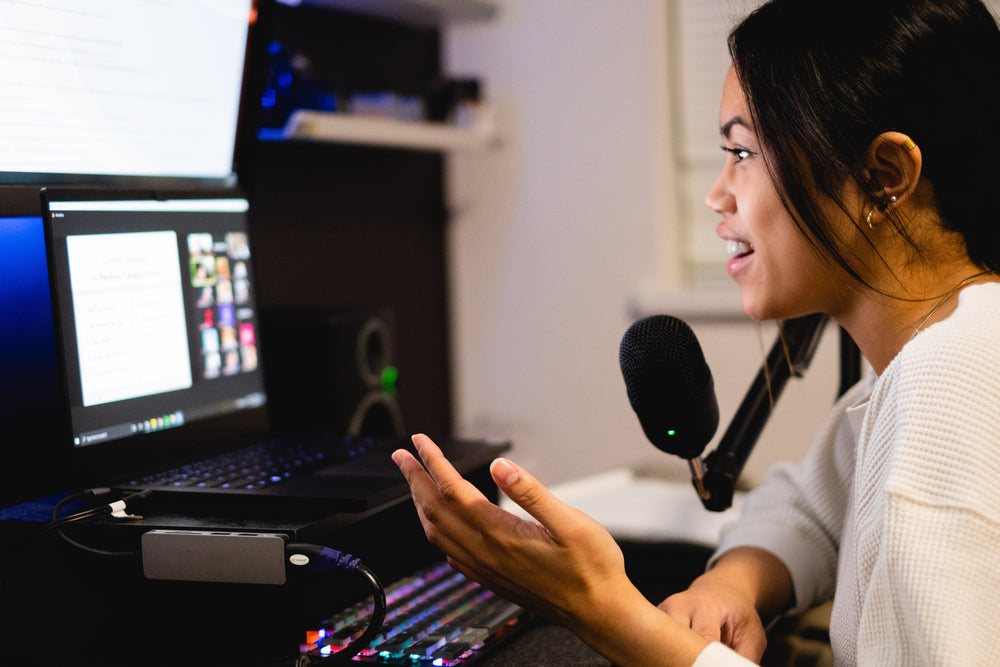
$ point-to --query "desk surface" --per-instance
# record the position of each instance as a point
(545, 644)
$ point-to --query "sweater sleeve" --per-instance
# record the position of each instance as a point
(719, 655)
(798, 512)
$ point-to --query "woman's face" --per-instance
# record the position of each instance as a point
(778, 270)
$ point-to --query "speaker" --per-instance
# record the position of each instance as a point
(331, 369)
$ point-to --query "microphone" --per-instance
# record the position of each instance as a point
(671, 390)
(669, 385)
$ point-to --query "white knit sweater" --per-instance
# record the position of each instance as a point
(896, 507)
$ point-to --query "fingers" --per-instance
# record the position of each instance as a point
(424, 492)
(440, 476)
(742, 633)
(521, 487)
(449, 484)
(451, 509)
(440, 469)
(707, 625)
(529, 494)
(750, 643)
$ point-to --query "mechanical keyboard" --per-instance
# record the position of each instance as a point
(435, 617)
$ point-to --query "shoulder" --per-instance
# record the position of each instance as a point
(962, 347)
(937, 407)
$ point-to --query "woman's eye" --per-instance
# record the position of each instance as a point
(739, 153)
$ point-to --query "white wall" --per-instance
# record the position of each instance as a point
(556, 231)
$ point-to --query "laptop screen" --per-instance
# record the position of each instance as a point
(154, 303)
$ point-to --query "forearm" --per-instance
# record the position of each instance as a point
(624, 627)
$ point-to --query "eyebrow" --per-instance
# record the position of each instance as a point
(727, 127)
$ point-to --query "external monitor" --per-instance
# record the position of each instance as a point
(121, 92)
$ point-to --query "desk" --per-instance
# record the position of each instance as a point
(64, 607)
(546, 644)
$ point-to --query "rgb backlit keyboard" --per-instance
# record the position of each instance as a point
(435, 617)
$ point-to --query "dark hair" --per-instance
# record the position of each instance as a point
(823, 80)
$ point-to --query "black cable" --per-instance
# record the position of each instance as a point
(74, 497)
(312, 558)
(378, 613)
(110, 509)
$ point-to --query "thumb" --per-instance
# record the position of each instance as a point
(529, 494)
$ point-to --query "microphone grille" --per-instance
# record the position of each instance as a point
(669, 385)
(658, 344)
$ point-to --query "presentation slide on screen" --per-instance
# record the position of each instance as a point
(128, 306)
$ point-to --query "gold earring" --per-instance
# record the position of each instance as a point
(883, 206)
(909, 144)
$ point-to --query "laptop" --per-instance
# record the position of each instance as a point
(162, 361)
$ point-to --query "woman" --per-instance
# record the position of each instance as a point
(858, 183)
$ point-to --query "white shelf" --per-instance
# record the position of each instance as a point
(373, 131)
(722, 303)
(426, 13)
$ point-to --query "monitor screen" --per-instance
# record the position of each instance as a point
(121, 91)
(155, 312)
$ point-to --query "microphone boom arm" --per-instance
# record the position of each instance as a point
(715, 477)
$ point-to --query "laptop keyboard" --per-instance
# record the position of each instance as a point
(261, 465)
(435, 617)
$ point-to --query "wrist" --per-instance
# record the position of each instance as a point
(757, 574)
(625, 627)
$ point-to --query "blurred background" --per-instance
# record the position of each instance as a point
(587, 214)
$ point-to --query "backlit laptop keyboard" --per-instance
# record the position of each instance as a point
(262, 464)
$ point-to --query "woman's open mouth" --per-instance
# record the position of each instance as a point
(739, 254)
(738, 248)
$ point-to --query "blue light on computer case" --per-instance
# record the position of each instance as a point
(30, 390)
(29, 380)
(23, 272)
(269, 98)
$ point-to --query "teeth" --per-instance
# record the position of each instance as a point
(735, 248)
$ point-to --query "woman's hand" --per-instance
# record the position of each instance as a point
(722, 604)
(554, 566)
(564, 565)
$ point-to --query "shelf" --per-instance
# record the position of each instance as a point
(373, 131)
(426, 13)
(718, 303)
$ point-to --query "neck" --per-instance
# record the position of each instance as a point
(881, 325)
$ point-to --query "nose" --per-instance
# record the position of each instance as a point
(719, 197)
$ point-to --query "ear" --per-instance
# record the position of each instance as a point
(893, 162)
